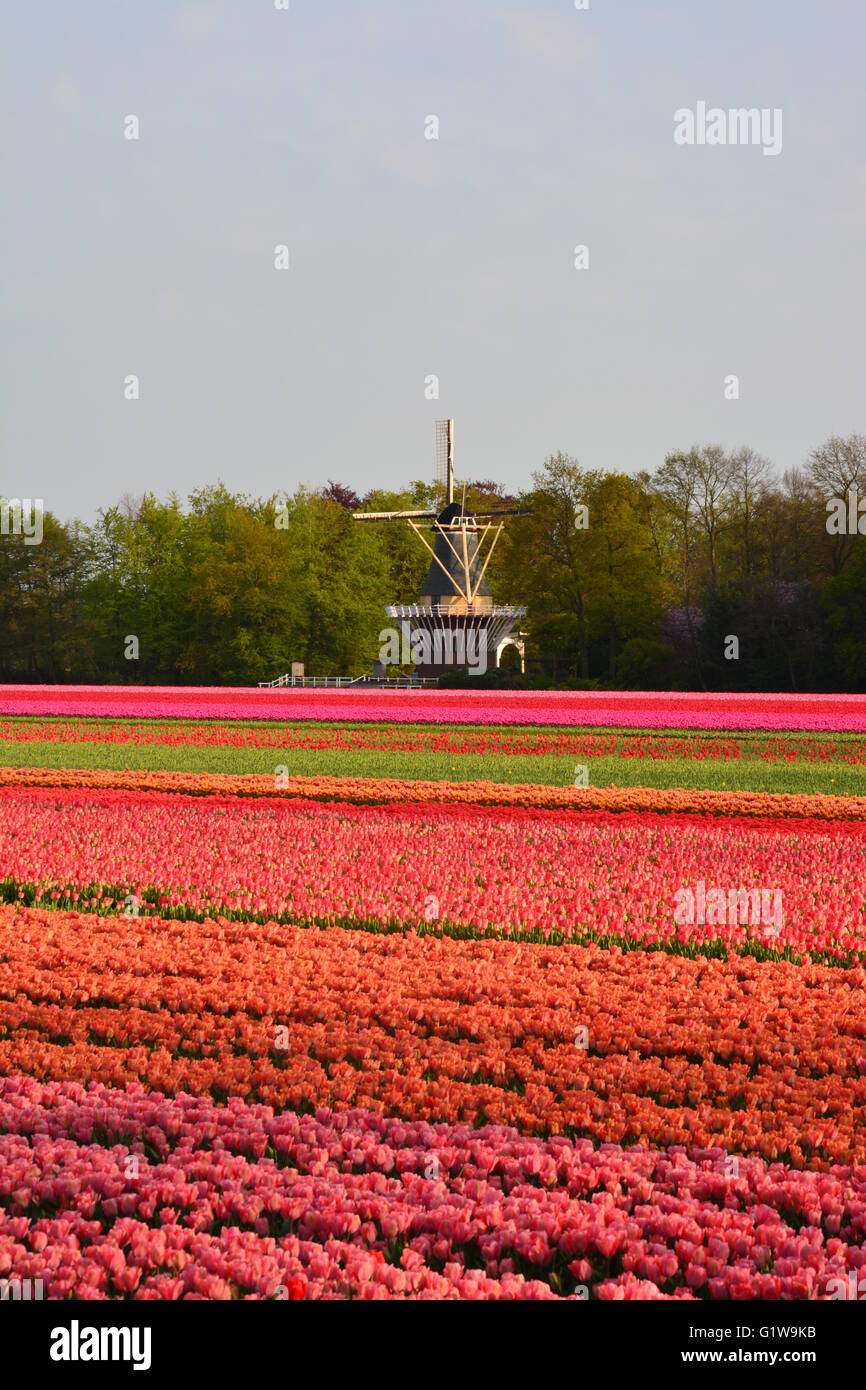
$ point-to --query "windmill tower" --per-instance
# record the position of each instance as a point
(455, 625)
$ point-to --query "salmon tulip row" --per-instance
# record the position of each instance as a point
(395, 738)
(767, 1058)
(656, 880)
(113, 1193)
(608, 709)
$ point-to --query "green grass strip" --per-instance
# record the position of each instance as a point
(546, 769)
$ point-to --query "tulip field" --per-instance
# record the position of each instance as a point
(451, 1026)
(528, 755)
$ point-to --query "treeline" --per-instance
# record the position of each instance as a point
(710, 573)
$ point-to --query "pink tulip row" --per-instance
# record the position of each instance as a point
(656, 879)
(611, 709)
(151, 1197)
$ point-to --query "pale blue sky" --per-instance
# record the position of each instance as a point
(409, 256)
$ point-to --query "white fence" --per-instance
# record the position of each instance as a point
(336, 682)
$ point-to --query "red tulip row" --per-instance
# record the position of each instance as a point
(111, 1193)
(656, 880)
(765, 1058)
(717, 747)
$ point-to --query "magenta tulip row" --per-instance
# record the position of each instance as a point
(608, 709)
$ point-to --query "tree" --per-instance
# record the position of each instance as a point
(345, 497)
(547, 559)
(584, 561)
(624, 588)
(836, 466)
(677, 484)
(844, 601)
(748, 482)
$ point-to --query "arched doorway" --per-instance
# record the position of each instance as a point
(517, 642)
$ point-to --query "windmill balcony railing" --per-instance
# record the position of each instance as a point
(454, 610)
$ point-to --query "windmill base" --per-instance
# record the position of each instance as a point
(439, 641)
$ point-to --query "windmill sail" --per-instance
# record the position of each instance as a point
(443, 461)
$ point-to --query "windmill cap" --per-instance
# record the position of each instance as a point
(450, 513)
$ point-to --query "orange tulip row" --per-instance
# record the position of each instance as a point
(385, 791)
(764, 1059)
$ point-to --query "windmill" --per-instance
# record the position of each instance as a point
(455, 623)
